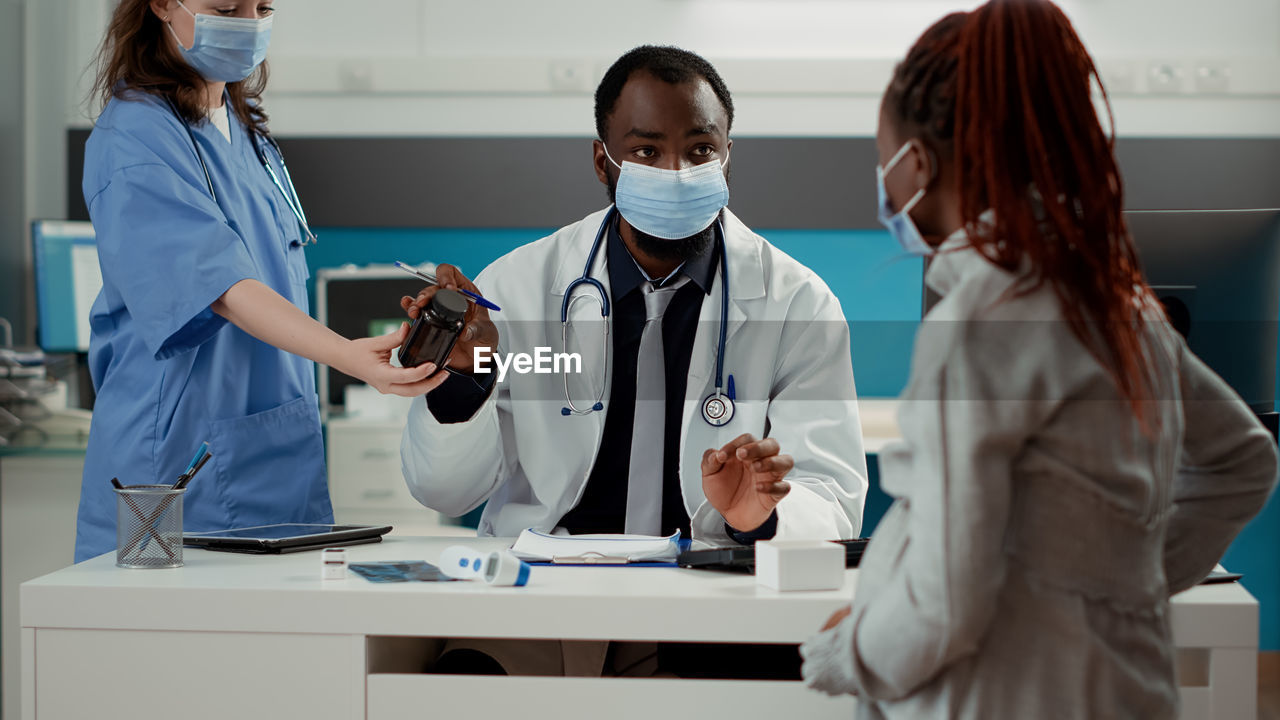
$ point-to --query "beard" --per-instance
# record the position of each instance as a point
(678, 250)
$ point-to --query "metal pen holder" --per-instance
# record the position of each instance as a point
(149, 526)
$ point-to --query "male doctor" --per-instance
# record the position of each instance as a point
(639, 436)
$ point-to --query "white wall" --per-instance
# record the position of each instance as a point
(528, 67)
(798, 67)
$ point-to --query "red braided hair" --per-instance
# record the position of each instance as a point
(1005, 92)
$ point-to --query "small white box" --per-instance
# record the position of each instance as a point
(333, 564)
(799, 564)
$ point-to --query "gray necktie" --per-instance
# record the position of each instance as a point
(648, 431)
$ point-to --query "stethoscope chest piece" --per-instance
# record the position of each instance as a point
(717, 409)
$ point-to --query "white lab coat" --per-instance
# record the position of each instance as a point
(787, 348)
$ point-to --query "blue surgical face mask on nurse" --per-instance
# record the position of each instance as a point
(225, 49)
(670, 204)
(900, 224)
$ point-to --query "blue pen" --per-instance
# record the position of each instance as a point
(478, 300)
(197, 461)
(204, 446)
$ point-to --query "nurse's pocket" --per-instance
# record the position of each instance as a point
(270, 465)
(296, 257)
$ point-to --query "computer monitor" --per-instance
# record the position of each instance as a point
(1221, 270)
(1218, 274)
(67, 280)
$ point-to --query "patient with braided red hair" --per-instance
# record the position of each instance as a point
(1066, 463)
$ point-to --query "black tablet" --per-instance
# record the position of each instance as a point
(286, 537)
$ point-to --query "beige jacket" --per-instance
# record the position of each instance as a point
(1025, 569)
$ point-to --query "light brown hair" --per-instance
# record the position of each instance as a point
(137, 56)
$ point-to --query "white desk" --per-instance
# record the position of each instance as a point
(255, 637)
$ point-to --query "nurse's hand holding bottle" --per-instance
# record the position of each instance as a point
(266, 315)
(479, 332)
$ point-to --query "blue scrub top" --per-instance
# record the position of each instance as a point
(169, 372)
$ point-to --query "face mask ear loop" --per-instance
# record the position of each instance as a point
(933, 175)
(608, 156)
(897, 158)
(911, 204)
(174, 33)
(902, 152)
(604, 147)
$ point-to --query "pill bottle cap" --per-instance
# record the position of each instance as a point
(449, 305)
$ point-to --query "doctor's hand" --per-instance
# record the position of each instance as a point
(369, 359)
(743, 480)
(479, 330)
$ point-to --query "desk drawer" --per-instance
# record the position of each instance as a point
(399, 697)
(158, 675)
(364, 470)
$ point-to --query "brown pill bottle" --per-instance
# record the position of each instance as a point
(434, 333)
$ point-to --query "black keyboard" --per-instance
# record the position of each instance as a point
(743, 559)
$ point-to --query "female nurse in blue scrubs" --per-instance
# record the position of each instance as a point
(201, 332)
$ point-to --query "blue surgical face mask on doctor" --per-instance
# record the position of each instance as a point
(900, 224)
(225, 49)
(670, 204)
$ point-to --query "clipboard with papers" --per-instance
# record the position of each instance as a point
(598, 549)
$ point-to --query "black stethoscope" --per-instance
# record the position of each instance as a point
(290, 195)
(718, 407)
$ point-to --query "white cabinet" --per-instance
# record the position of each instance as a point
(87, 673)
(39, 498)
(365, 482)
(364, 466)
(398, 696)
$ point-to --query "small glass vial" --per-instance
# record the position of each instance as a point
(433, 335)
(333, 564)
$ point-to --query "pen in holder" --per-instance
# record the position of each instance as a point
(148, 526)
(153, 512)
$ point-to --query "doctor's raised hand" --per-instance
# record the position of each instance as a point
(479, 332)
(743, 480)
